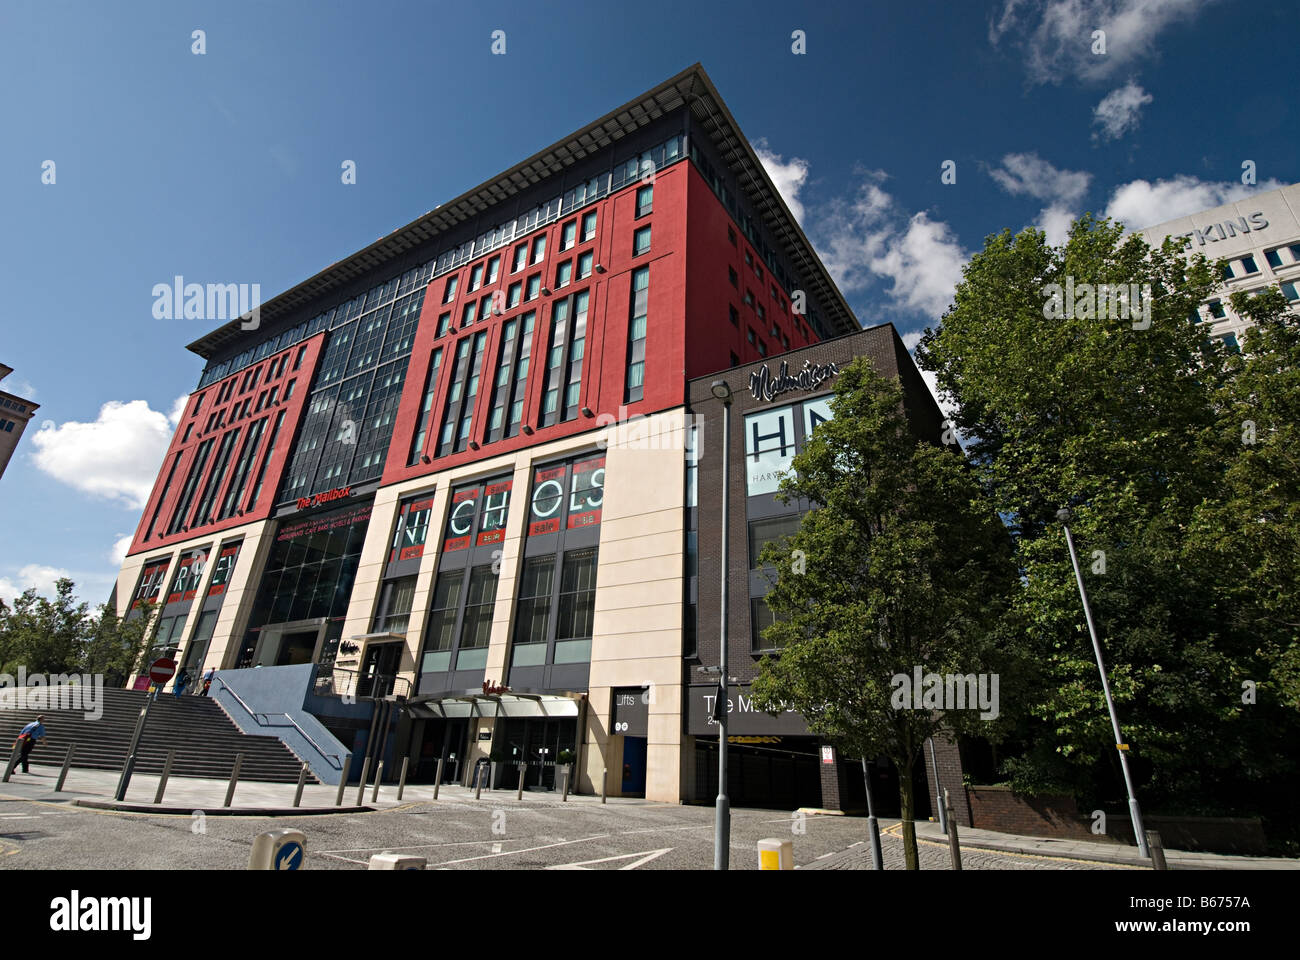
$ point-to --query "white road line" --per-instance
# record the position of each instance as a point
(646, 857)
(508, 853)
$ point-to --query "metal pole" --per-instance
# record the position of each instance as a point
(379, 776)
(401, 781)
(437, 779)
(343, 780)
(302, 780)
(954, 848)
(167, 772)
(565, 797)
(523, 772)
(365, 775)
(722, 813)
(604, 784)
(1135, 812)
(478, 780)
(1157, 851)
(234, 779)
(128, 767)
(63, 774)
(873, 825)
(13, 762)
(938, 800)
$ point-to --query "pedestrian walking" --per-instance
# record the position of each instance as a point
(182, 683)
(28, 738)
(207, 680)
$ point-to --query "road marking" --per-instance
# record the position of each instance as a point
(496, 848)
(646, 856)
(508, 853)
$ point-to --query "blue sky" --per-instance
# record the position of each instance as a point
(225, 166)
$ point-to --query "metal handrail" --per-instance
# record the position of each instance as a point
(334, 757)
(328, 671)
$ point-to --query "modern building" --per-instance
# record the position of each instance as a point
(465, 473)
(1260, 238)
(15, 411)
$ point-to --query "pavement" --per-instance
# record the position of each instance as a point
(41, 828)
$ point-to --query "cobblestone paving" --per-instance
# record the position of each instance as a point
(935, 856)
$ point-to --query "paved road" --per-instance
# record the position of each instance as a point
(456, 834)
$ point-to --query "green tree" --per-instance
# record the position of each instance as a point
(42, 634)
(903, 564)
(116, 646)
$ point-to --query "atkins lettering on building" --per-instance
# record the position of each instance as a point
(411, 485)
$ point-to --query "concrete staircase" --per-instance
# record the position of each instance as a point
(205, 739)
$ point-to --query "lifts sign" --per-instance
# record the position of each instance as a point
(338, 493)
(764, 386)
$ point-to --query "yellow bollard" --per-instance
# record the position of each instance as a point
(775, 854)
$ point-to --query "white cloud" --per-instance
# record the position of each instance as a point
(871, 237)
(116, 457)
(120, 546)
(1028, 174)
(33, 575)
(787, 176)
(1055, 37)
(19, 387)
(1118, 111)
(1140, 203)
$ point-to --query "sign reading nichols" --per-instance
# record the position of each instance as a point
(338, 493)
(764, 386)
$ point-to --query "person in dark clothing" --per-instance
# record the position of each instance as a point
(27, 739)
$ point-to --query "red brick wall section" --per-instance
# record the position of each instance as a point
(948, 758)
(997, 808)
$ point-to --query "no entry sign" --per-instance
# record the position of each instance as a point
(162, 670)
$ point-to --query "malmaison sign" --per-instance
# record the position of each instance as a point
(764, 386)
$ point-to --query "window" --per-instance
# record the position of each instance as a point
(731, 236)
(763, 532)
(641, 241)
(1248, 262)
(749, 259)
(476, 627)
(577, 342)
(514, 294)
(751, 337)
(733, 315)
(760, 618)
(519, 387)
(563, 274)
(449, 292)
(568, 234)
(444, 324)
(749, 297)
(485, 308)
(1273, 258)
(1230, 341)
(442, 622)
(645, 200)
(394, 614)
(412, 529)
(521, 258)
(762, 349)
(735, 360)
(534, 287)
(426, 407)
(576, 607)
(533, 614)
(588, 226)
(1295, 252)
(467, 314)
(492, 268)
(635, 383)
(733, 278)
(1291, 291)
(1227, 271)
(762, 315)
(1216, 309)
(539, 248)
(476, 277)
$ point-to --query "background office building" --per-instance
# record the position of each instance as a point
(1260, 238)
(461, 476)
(15, 411)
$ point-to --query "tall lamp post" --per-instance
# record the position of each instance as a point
(722, 816)
(1135, 813)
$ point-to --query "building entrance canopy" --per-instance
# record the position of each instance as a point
(476, 704)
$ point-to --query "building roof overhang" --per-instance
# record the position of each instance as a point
(708, 112)
(514, 704)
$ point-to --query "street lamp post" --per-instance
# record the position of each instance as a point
(1135, 814)
(722, 817)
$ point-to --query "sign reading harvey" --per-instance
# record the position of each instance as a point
(764, 386)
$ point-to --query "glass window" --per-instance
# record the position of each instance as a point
(568, 234)
(395, 606)
(641, 241)
(412, 529)
(539, 248)
(732, 277)
(449, 292)
(576, 607)
(769, 448)
(1291, 291)
(444, 324)
(521, 258)
(533, 615)
(563, 274)
(1273, 258)
(1216, 309)
(763, 532)
(534, 287)
(514, 295)
(476, 277)
(442, 621)
(492, 268)
(588, 226)
(760, 618)
(645, 200)
(584, 265)
(1248, 262)
(476, 628)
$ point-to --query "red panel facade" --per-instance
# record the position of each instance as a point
(605, 361)
(238, 401)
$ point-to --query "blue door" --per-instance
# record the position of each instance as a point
(634, 766)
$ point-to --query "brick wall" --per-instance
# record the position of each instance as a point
(997, 808)
(948, 759)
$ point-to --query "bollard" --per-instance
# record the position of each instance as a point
(63, 774)
(953, 846)
(379, 776)
(302, 781)
(401, 781)
(395, 861)
(361, 784)
(565, 797)
(437, 779)
(523, 772)
(343, 780)
(234, 779)
(167, 772)
(604, 783)
(278, 850)
(478, 781)
(1157, 848)
(13, 762)
(774, 854)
